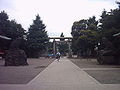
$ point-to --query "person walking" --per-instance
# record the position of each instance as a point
(58, 56)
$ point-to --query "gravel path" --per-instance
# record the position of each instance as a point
(105, 74)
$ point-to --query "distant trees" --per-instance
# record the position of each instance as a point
(87, 33)
(63, 46)
(110, 23)
(37, 37)
(85, 36)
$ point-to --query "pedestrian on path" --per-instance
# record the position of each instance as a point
(58, 56)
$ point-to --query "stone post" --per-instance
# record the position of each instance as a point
(54, 47)
(69, 47)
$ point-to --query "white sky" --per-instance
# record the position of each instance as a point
(57, 15)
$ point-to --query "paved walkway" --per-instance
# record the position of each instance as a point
(63, 75)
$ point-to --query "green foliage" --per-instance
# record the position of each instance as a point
(110, 23)
(63, 46)
(92, 23)
(4, 23)
(37, 37)
(77, 26)
(10, 29)
(85, 35)
(87, 41)
(15, 30)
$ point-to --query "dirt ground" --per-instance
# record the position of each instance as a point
(22, 74)
(105, 74)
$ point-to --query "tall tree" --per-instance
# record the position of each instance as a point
(10, 29)
(37, 37)
(86, 42)
(4, 23)
(84, 33)
(92, 23)
(76, 28)
(16, 30)
(110, 23)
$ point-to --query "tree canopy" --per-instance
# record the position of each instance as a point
(87, 33)
(9, 28)
(37, 37)
(63, 46)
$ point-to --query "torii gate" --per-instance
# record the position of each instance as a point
(69, 44)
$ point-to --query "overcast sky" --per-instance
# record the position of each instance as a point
(57, 15)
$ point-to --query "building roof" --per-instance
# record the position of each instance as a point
(4, 37)
(117, 34)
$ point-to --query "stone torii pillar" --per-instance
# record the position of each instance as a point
(69, 48)
(54, 46)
